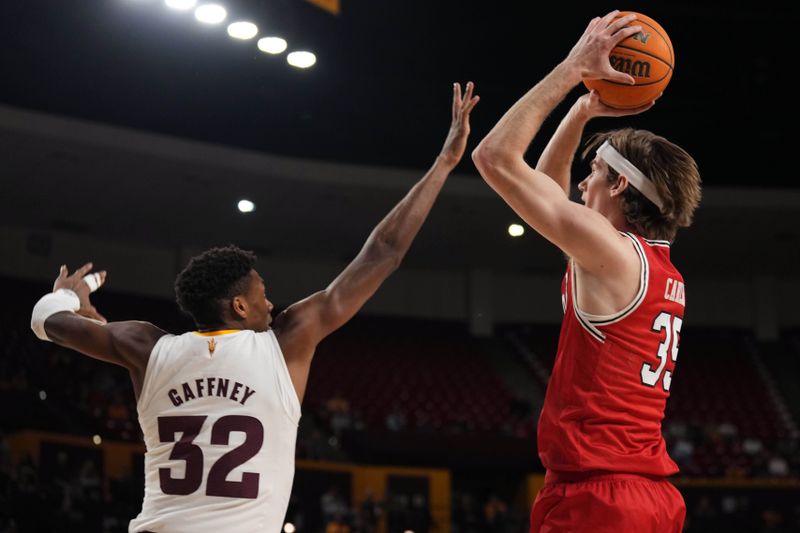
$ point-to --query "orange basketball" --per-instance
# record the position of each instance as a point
(647, 56)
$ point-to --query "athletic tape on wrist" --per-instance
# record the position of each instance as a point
(636, 177)
(50, 304)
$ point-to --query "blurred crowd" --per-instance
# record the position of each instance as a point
(49, 388)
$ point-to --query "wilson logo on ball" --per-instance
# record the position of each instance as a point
(637, 69)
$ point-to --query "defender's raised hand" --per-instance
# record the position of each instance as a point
(590, 55)
(456, 142)
(80, 286)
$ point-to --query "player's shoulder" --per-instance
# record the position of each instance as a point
(136, 337)
(649, 249)
(657, 250)
(140, 328)
(647, 243)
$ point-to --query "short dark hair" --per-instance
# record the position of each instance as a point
(673, 172)
(211, 277)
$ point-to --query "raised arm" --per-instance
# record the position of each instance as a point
(556, 159)
(67, 317)
(304, 324)
(582, 233)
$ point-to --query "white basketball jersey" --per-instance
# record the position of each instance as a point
(219, 415)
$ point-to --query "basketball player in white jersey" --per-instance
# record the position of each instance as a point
(219, 407)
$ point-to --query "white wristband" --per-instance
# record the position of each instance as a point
(50, 304)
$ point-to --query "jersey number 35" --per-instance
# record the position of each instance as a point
(671, 325)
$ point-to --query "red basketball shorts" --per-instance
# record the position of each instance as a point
(607, 503)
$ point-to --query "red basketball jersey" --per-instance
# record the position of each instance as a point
(610, 382)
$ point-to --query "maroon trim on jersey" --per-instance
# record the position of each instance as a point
(586, 319)
(656, 242)
(644, 278)
(583, 321)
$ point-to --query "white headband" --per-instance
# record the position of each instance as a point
(629, 170)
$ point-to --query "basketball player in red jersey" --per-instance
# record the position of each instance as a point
(599, 433)
(236, 374)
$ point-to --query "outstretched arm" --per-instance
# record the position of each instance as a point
(556, 159)
(582, 233)
(304, 324)
(67, 317)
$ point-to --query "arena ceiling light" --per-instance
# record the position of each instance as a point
(301, 59)
(213, 13)
(210, 13)
(242, 30)
(181, 5)
(246, 206)
(272, 45)
(516, 230)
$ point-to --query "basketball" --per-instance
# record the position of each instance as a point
(647, 56)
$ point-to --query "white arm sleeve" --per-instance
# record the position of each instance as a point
(50, 304)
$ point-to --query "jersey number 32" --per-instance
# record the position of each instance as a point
(184, 450)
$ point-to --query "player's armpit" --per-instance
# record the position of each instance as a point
(591, 240)
(127, 344)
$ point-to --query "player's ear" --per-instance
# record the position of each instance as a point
(239, 306)
(620, 185)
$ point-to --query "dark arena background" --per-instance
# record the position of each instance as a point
(130, 133)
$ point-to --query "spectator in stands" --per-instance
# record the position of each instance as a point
(7, 523)
(89, 480)
(727, 430)
(337, 525)
(778, 466)
(333, 504)
(294, 514)
(495, 514)
(752, 446)
(396, 419)
(419, 514)
(118, 417)
(682, 452)
(398, 510)
(702, 516)
(316, 446)
(337, 403)
(466, 516)
(371, 512)
(773, 522)
(5, 454)
(422, 421)
(341, 420)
